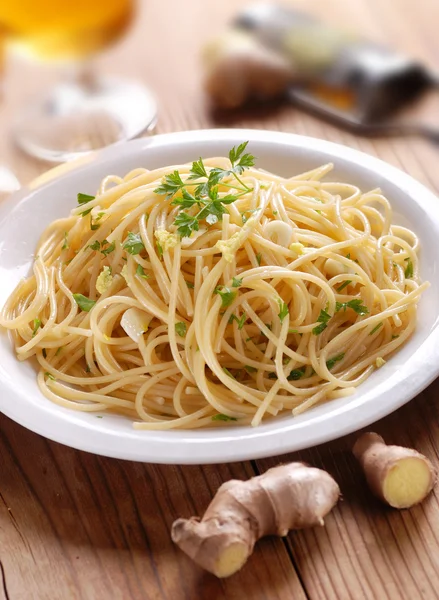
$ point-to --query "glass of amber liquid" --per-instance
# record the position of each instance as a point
(87, 112)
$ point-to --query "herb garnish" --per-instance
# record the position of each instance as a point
(236, 282)
(208, 204)
(37, 325)
(83, 302)
(375, 329)
(221, 417)
(283, 310)
(323, 319)
(133, 244)
(180, 329)
(84, 199)
(65, 245)
(355, 304)
(409, 269)
(227, 295)
(141, 272)
(240, 321)
(335, 359)
(343, 285)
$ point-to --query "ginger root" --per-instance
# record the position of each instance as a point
(237, 68)
(291, 496)
(400, 477)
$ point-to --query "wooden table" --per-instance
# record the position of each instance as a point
(75, 526)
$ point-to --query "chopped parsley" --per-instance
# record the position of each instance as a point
(83, 302)
(283, 310)
(240, 321)
(343, 285)
(296, 374)
(133, 244)
(180, 329)
(159, 249)
(259, 258)
(227, 295)
(227, 372)
(36, 325)
(375, 329)
(323, 319)
(236, 282)
(141, 273)
(221, 417)
(250, 369)
(65, 245)
(408, 269)
(84, 199)
(355, 304)
(190, 285)
(103, 247)
(49, 376)
(335, 359)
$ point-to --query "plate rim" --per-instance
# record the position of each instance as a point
(226, 446)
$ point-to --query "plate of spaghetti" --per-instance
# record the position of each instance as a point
(219, 295)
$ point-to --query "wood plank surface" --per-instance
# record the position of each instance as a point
(74, 525)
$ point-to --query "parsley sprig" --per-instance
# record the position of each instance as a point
(355, 304)
(205, 203)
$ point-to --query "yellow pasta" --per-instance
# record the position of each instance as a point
(290, 297)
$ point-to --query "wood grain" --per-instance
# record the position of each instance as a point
(74, 525)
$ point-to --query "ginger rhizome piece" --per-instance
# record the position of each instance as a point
(400, 477)
(237, 69)
(292, 496)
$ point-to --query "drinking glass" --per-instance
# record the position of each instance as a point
(87, 111)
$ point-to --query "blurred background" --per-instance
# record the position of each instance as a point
(170, 65)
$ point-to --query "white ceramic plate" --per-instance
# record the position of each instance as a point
(24, 216)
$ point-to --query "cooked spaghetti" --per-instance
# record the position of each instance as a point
(215, 294)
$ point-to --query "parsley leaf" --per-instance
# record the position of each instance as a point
(65, 245)
(221, 417)
(95, 246)
(133, 244)
(250, 369)
(206, 194)
(83, 199)
(259, 258)
(227, 296)
(236, 282)
(335, 359)
(49, 376)
(171, 185)
(240, 321)
(343, 285)
(198, 169)
(186, 224)
(180, 329)
(296, 374)
(227, 372)
(355, 304)
(83, 302)
(159, 249)
(141, 273)
(375, 329)
(283, 310)
(190, 285)
(409, 269)
(108, 249)
(323, 319)
(37, 325)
